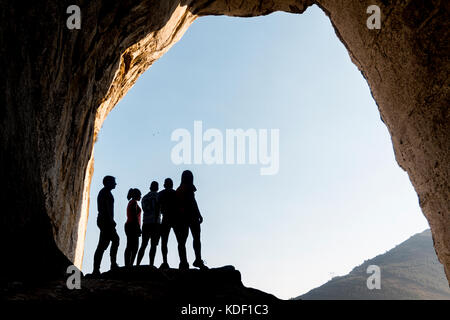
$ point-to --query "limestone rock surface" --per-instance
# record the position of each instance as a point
(58, 85)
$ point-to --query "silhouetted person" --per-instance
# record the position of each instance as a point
(106, 224)
(132, 226)
(188, 217)
(167, 201)
(150, 224)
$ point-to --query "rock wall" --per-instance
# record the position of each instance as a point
(58, 86)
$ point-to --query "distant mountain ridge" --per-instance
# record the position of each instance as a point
(411, 270)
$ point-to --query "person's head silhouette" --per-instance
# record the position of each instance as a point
(187, 177)
(109, 182)
(154, 186)
(168, 183)
(134, 194)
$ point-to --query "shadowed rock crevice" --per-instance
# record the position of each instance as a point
(60, 84)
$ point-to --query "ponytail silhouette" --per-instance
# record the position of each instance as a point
(130, 194)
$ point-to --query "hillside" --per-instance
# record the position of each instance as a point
(408, 271)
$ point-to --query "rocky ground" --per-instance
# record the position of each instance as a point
(142, 283)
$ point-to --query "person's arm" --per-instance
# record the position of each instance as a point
(136, 210)
(197, 210)
(110, 203)
(157, 208)
(100, 204)
(136, 214)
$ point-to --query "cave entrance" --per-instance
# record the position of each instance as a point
(339, 196)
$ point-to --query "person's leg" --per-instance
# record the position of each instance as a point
(126, 254)
(103, 243)
(181, 233)
(195, 231)
(115, 240)
(145, 238)
(155, 234)
(128, 249)
(134, 248)
(165, 230)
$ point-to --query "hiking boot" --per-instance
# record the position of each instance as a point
(164, 265)
(96, 273)
(183, 266)
(114, 266)
(200, 264)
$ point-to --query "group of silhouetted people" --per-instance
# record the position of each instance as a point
(179, 211)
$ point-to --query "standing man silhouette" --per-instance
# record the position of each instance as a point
(168, 204)
(150, 224)
(106, 224)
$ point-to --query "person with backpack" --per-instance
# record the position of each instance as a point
(150, 224)
(132, 226)
(168, 204)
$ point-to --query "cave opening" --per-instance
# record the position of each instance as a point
(338, 189)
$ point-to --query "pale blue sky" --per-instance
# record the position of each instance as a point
(339, 196)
